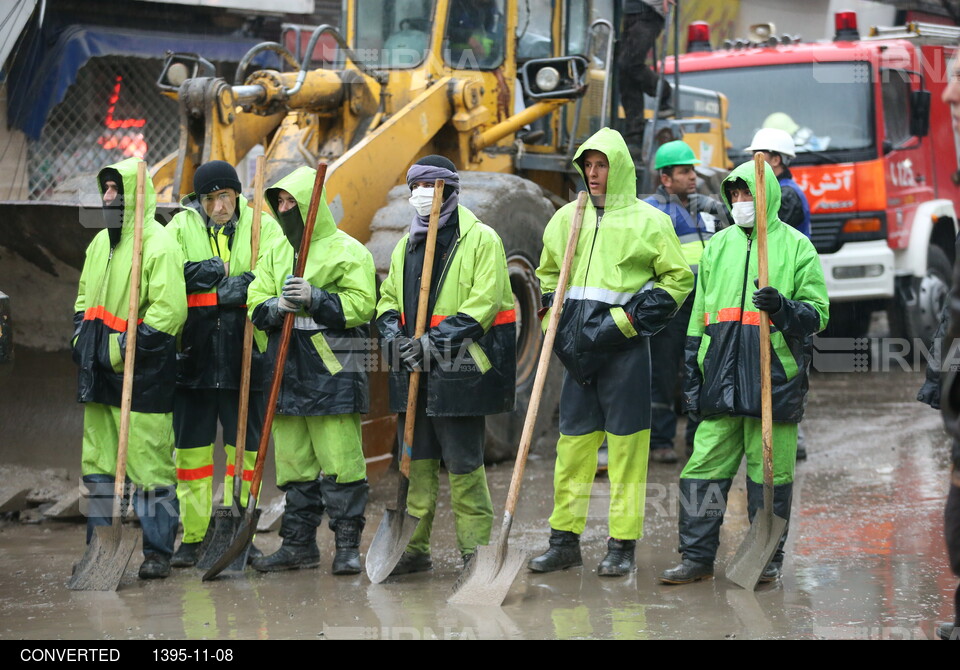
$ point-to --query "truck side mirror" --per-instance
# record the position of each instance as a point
(178, 67)
(920, 113)
(553, 78)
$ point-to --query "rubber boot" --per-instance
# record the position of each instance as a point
(302, 513)
(345, 503)
(422, 503)
(472, 509)
(154, 566)
(159, 514)
(782, 503)
(347, 559)
(620, 559)
(410, 562)
(564, 552)
(702, 505)
(186, 555)
(686, 573)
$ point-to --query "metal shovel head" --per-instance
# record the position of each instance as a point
(106, 558)
(234, 558)
(393, 535)
(224, 525)
(489, 577)
(756, 550)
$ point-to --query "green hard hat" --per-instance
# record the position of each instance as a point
(677, 152)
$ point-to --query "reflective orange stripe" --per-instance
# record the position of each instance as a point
(202, 300)
(247, 474)
(109, 320)
(728, 314)
(734, 314)
(504, 317)
(193, 474)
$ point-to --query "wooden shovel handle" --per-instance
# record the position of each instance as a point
(243, 409)
(546, 351)
(423, 306)
(766, 391)
(285, 337)
(133, 313)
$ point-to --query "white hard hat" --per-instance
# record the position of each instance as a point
(773, 139)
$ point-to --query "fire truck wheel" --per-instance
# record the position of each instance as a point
(914, 313)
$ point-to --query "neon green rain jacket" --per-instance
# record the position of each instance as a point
(723, 339)
(211, 345)
(330, 348)
(629, 274)
(472, 328)
(100, 318)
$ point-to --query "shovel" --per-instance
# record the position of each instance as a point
(398, 525)
(226, 519)
(488, 578)
(111, 547)
(765, 532)
(240, 546)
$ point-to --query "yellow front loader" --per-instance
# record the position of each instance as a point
(507, 89)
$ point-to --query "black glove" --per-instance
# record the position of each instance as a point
(411, 353)
(233, 290)
(203, 275)
(767, 299)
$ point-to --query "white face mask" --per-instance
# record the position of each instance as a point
(422, 200)
(744, 214)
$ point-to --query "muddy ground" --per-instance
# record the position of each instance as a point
(866, 556)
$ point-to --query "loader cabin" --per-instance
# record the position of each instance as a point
(514, 54)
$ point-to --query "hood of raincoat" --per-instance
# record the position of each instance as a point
(128, 176)
(622, 177)
(299, 184)
(747, 172)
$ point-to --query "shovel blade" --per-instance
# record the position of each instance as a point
(224, 526)
(756, 550)
(234, 558)
(489, 577)
(106, 558)
(393, 535)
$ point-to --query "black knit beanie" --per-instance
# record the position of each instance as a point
(215, 176)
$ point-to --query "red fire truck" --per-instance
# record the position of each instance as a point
(876, 156)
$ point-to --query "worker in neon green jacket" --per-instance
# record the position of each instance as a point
(99, 348)
(722, 382)
(214, 231)
(468, 354)
(319, 454)
(629, 278)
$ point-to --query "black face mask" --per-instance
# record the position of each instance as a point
(113, 219)
(292, 225)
